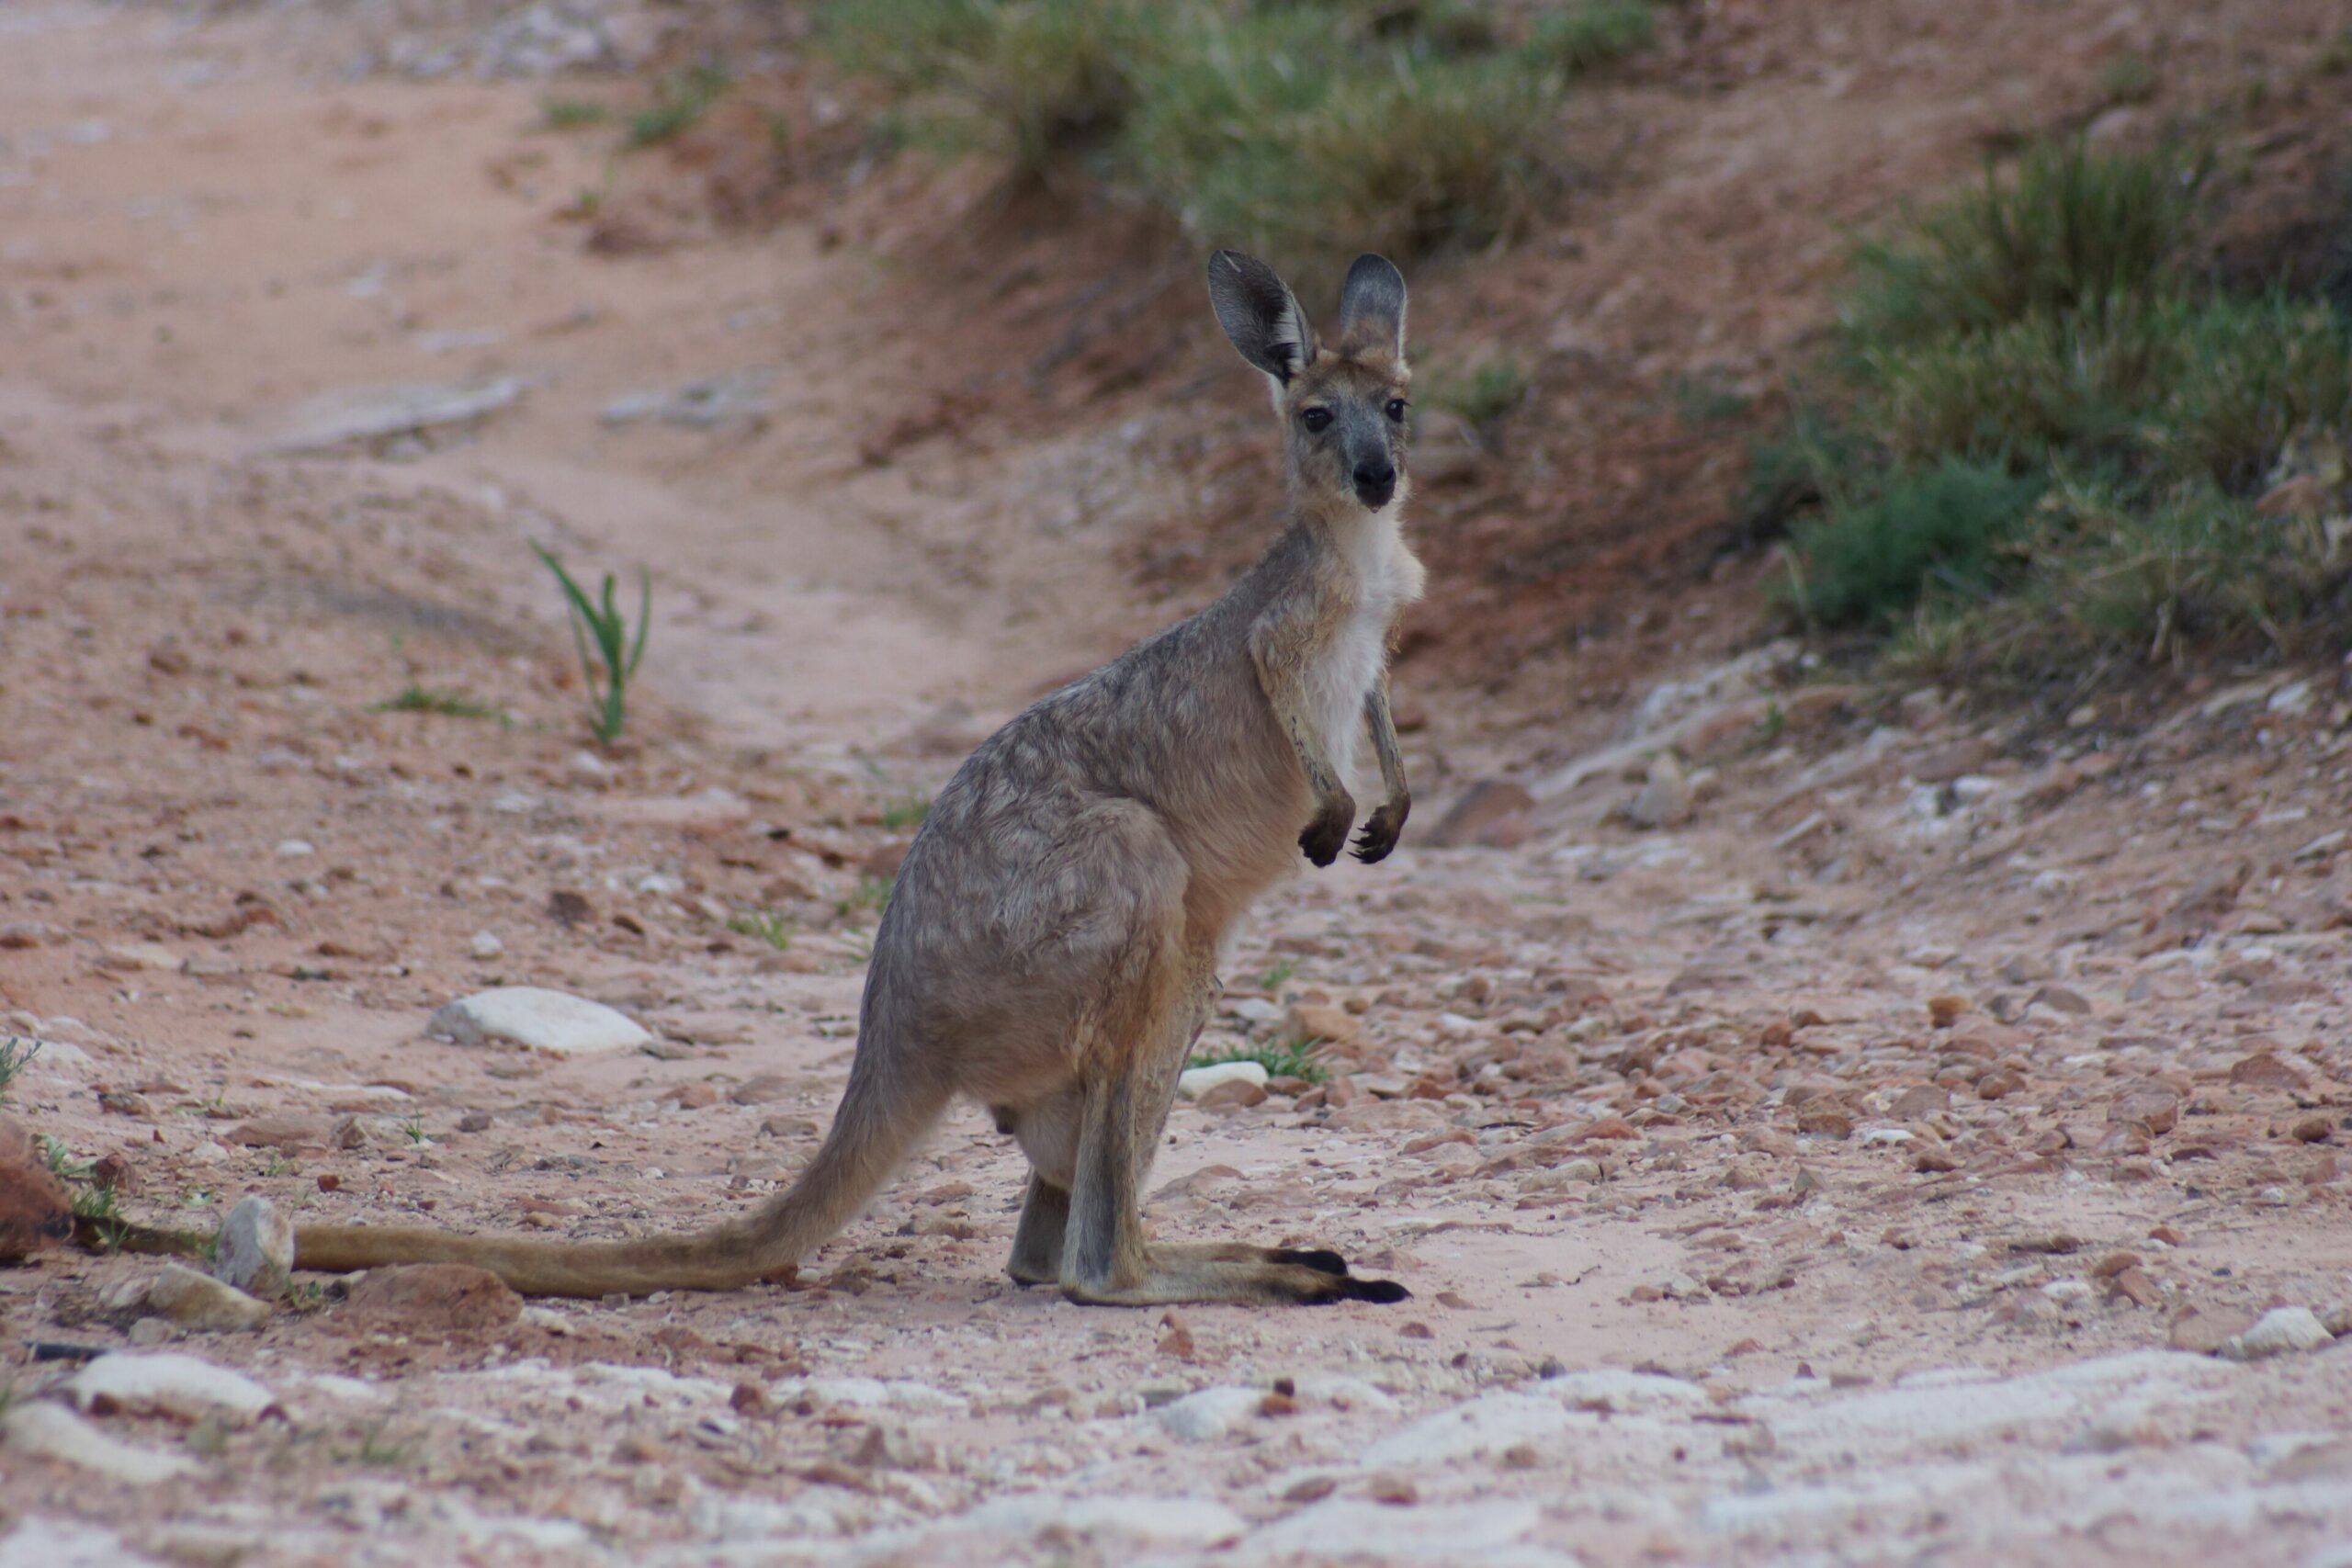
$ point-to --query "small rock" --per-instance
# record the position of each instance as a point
(2058, 998)
(735, 396)
(149, 1332)
(1210, 1413)
(695, 1096)
(2150, 1104)
(1307, 1021)
(485, 945)
(1665, 799)
(430, 1298)
(1944, 1011)
(2276, 1332)
(1492, 812)
(554, 1022)
(184, 1387)
(201, 1303)
(2264, 1070)
(1194, 1082)
(2204, 1333)
(2313, 1130)
(140, 955)
(1825, 1119)
(256, 1251)
(1234, 1094)
(1921, 1099)
(362, 415)
(52, 1431)
(287, 1134)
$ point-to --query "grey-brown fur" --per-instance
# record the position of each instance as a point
(1049, 949)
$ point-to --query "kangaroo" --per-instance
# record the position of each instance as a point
(1050, 946)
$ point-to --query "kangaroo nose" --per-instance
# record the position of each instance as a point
(1375, 482)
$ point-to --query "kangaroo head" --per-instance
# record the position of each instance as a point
(1344, 404)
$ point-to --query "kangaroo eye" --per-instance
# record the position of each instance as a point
(1397, 409)
(1315, 419)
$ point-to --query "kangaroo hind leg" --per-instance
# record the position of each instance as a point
(1135, 1046)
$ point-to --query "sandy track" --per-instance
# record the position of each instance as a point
(1725, 1246)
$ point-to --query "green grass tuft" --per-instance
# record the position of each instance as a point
(600, 635)
(909, 810)
(16, 1053)
(413, 698)
(2068, 234)
(1867, 563)
(680, 100)
(1594, 34)
(1292, 126)
(2041, 436)
(1484, 395)
(762, 925)
(571, 114)
(1281, 1059)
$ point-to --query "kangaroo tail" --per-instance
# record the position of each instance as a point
(881, 1117)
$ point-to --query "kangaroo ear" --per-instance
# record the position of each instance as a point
(1371, 307)
(1259, 314)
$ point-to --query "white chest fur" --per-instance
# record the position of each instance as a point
(1386, 577)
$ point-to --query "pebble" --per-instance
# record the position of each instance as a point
(353, 417)
(1233, 1094)
(2280, 1330)
(295, 849)
(554, 1022)
(430, 1299)
(1194, 1082)
(485, 945)
(54, 1432)
(1665, 799)
(1211, 1412)
(1340, 1530)
(1306, 1021)
(256, 1251)
(202, 1302)
(184, 1387)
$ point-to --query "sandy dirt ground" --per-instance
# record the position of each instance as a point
(1916, 1143)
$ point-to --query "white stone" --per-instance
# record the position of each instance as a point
(356, 414)
(167, 1382)
(1209, 1413)
(1340, 1530)
(256, 1251)
(1487, 1425)
(1195, 1082)
(143, 956)
(2278, 1331)
(879, 1393)
(554, 1022)
(295, 849)
(1174, 1521)
(67, 1543)
(1619, 1389)
(56, 1432)
(485, 944)
(1254, 1010)
(1665, 795)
